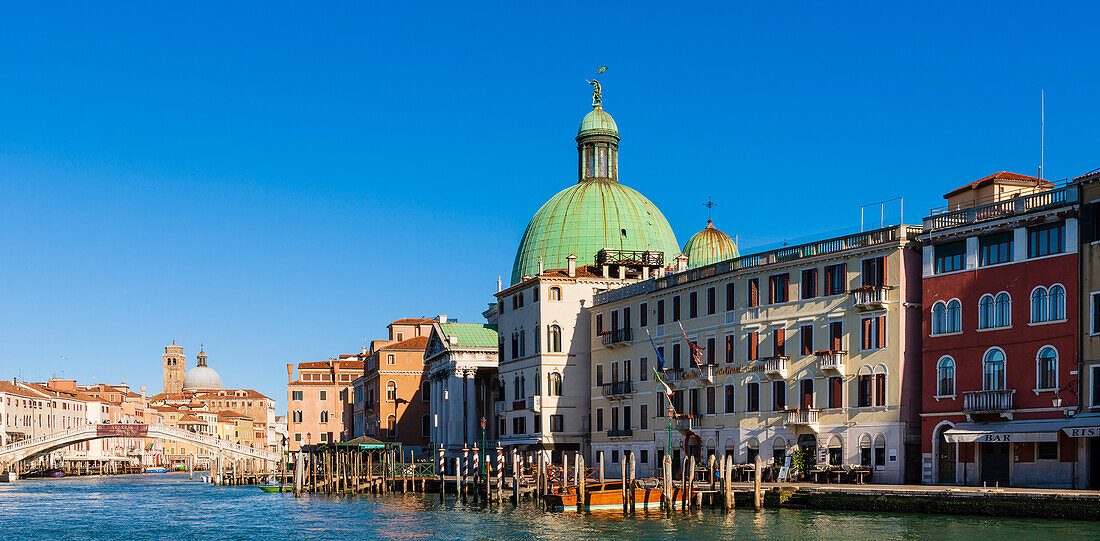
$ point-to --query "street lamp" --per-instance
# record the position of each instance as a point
(1056, 400)
(396, 401)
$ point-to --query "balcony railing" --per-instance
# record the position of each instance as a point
(685, 422)
(672, 374)
(807, 417)
(946, 219)
(776, 366)
(831, 360)
(988, 401)
(533, 403)
(869, 297)
(500, 407)
(621, 433)
(520, 404)
(617, 388)
(617, 336)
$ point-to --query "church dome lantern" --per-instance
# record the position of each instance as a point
(201, 377)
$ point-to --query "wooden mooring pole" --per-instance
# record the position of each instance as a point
(758, 476)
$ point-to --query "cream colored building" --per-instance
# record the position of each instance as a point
(816, 345)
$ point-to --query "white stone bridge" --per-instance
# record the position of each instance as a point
(35, 447)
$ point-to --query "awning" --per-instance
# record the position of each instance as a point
(1083, 426)
(1005, 432)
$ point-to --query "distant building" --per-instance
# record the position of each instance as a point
(461, 359)
(390, 398)
(320, 401)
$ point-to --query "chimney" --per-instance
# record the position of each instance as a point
(572, 259)
(681, 263)
(364, 350)
(289, 373)
(622, 272)
(442, 318)
(540, 265)
(499, 284)
(142, 391)
(645, 273)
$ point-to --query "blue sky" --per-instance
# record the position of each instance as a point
(279, 181)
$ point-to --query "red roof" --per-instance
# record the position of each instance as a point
(1003, 175)
(10, 388)
(419, 343)
(344, 365)
(413, 321)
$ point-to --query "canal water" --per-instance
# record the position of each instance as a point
(168, 506)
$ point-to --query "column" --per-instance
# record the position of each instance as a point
(472, 421)
(454, 409)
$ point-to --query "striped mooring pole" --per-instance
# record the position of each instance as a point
(442, 466)
(500, 473)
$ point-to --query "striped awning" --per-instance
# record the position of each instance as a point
(1006, 432)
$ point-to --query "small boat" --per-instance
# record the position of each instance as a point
(51, 472)
(156, 470)
(607, 496)
(276, 488)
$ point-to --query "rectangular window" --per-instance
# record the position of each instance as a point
(730, 343)
(660, 311)
(949, 257)
(754, 292)
(779, 342)
(808, 286)
(643, 417)
(836, 279)
(874, 332)
(873, 272)
(994, 249)
(296, 395)
(779, 395)
(806, 335)
(710, 351)
(614, 320)
(693, 304)
(731, 398)
(599, 419)
(324, 395)
(626, 418)
(503, 427)
(778, 286)
(537, 425)
(391, 358)
(676, 356)
(643, 369)
(752, 397)
(1046, 239)
(711, 301)
(557, 423)
(599, 324)
(644, 456)
(675, 308)
(662, 404)
(836, 391)
(710, 401)
(1095, 386)
(730, 287)
(864, 390)
(753, 345)
(643, 315)
(1046, 450)
(599, 374)
(836, 336)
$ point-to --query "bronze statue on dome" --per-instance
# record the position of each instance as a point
(597, 94)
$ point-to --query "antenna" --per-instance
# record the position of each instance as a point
(1042, 130)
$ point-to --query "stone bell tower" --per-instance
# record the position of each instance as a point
(174, 366)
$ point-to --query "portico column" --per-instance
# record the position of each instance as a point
(454, 409)
(471, 408)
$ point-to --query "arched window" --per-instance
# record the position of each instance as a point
(752, 450)
(553, 339)
(391, 391)
(391, 425)
(538, 386)
(518, 391)
(500, 390)
(865, 451)
(1003, 312)
(954, 316)
(779, 450)
(523, 385)
(985, 312)
(1057, 298)
(1047, 368)
(939, 317)
(1039, 304)
(880, 385)
(426, 391)
(880, 451)
(555, 293)
(324, 416)
(945, 376)
(993, 370)
(836, 451)
(553, 383)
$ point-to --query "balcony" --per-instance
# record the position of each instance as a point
(500, 407)
(617, 389)
(685, 422)
(831, 360)
(624, 433)
(533, 403)
(520, 404)
(869, 297)
(776, 367)
(707, 373)
(946, 219)
(617, 337)
(988, 401)
(806, 417)
(672, 374)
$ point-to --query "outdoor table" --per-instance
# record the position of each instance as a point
(860, 473)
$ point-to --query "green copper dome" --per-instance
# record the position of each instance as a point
(587, 217)
(598, 122)
(709, 246)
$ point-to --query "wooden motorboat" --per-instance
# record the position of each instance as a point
(608, 496)
(276, 488)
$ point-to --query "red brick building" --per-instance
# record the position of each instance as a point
(1000, 280)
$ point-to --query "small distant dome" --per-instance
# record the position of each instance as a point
(598, 122)
(709, 246)
(201, 377)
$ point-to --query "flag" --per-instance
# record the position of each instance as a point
(668, 392)
(601, 69)
(696, 349)
(660, 358)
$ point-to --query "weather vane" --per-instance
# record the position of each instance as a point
(710, 206)
(597, 92)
